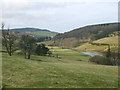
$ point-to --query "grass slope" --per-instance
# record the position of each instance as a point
(108, 40)
(70, 70)
(44, 33)
(36, 31)
(113, 41)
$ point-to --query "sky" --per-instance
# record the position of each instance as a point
(57, 15)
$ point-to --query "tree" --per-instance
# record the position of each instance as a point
(27, 44)
(41, 50)
(108, 55)
(8, 40)
(49, 53)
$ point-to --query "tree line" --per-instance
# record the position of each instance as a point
(26, 43)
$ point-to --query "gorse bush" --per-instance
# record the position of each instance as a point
(113, 60)
(99, 60)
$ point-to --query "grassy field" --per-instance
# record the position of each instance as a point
(90, 47)
(67, 69)
(108, 40)
(44, 33)
(113, 41)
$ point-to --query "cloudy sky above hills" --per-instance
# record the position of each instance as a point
(57, 15)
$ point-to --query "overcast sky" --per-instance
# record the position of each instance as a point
(57, 15)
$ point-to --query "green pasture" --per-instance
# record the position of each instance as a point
(64, 69)
(44, 33)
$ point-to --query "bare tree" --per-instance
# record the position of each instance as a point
(8, 40)
(27, 45)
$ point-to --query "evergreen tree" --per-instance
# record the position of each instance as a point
(41, 50)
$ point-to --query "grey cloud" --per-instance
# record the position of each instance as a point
(58, 16)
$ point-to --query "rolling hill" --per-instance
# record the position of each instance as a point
(112, 41)
(85, 34)
(53, 72)
(35, 31)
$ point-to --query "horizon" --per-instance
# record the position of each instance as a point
(62, 32)
(58, 16)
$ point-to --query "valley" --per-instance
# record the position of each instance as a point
(67, 64)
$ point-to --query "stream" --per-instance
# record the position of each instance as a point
(92, 54)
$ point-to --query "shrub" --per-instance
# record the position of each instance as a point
(113, 60)
(42, 50)
(99, 60)
(49, 53)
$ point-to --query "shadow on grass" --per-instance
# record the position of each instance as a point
(3, 51)
(79, 60)
(37, 60)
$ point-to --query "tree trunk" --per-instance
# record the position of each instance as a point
(29, 54)
(10, 54)
(25, 54)
(29, 57)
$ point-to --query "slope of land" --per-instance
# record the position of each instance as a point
(112, 41)
(85, 34)
(108, 40)
(67, 69)
(35, 31)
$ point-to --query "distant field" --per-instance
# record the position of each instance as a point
(35, 31)
(90, 47)
(108, 40)
(45, 42)
(113, 41)
(44, 33)
(67, 69)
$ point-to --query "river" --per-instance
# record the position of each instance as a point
(92, 54)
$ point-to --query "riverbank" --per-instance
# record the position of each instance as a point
(92, 54)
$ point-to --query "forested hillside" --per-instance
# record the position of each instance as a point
(40, 34)
(85, 34)
(35, 31)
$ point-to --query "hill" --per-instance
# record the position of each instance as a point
(35, 31)
(112, 41)
(57, 72)
(85, 34)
